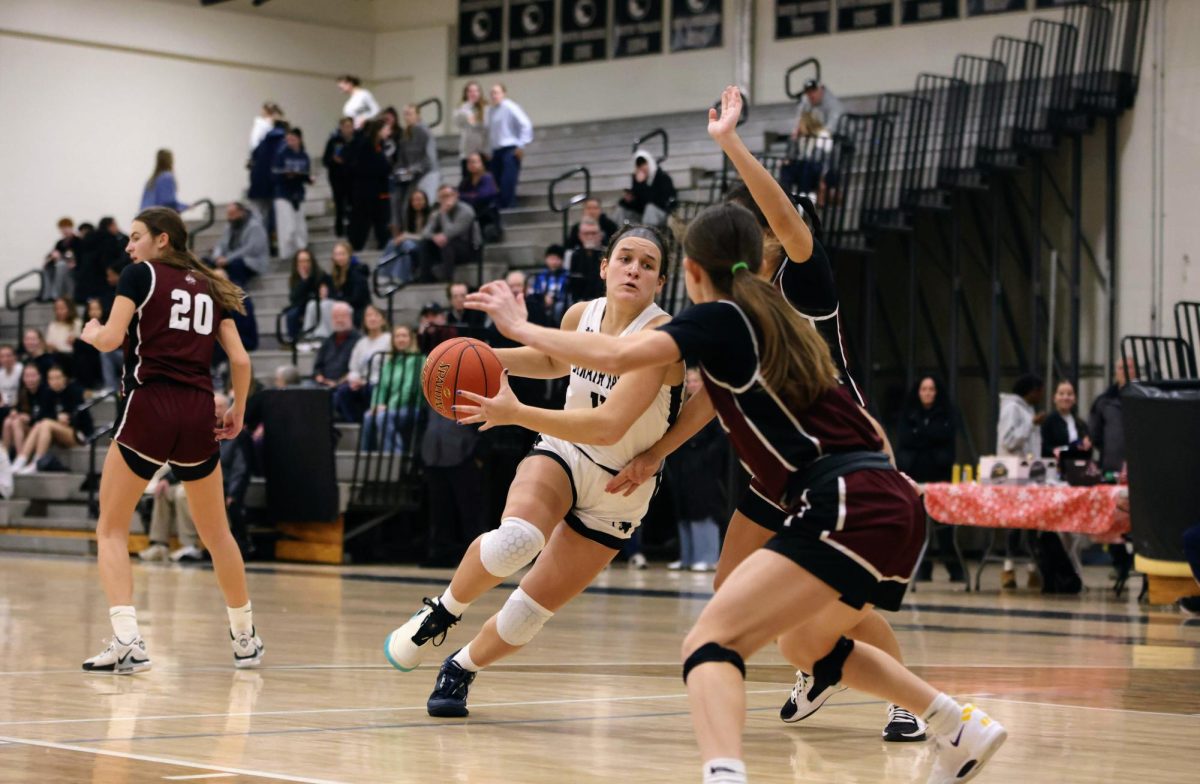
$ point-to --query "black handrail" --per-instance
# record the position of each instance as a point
(20, 306)
(565, 209)
(206, 223)
(388, 293)
(787, 76)
(292, 341)
(437, 103)
(665, 143)
(382, 477)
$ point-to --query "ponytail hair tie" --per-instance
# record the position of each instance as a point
(741, 265)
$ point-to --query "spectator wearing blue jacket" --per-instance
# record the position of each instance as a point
(551, 285)
(160, 188)
(262, 180)
(291, 173)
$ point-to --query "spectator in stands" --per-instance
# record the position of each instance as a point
(235, 476)
(449, 239)
(925, 440)
(453, 457)
(244, 249)
(261, 193)
(34, 351)
(30, 400)
(370, 199)
(509, 131)
(1019, 435)
(92, 368)
(332, 363)
(335, 160)
(1062, 429)
(360, 105)
(108, 290)
(584, 262)
(247, 327)
(62, 331)
(264, 122)
(303, 288)
(160, 188)
(432, 327)
(411, 163)
(808, 173)
(651, 194)
(10, 380)
(820, 106)
(286, 376)
(468, 322)
(291, 172)
(169, 505)
(1106, 424)
(551, 285)
(699, 505)
(396, 397)
(353, 396)
(59, 265)
(56, 421)
(98, 250)
(350, 280)
(478, 189)
(594, 210)
(471, 120)
(416, 218)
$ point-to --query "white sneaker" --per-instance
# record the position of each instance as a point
(247, 649)
(26, 470)
(18, 464)
(962, 754)
(903, 726)
(703, 566)
(120, 658)
(188, 553)
(807, 698)
(675, 566)
(402, 648)
(155, 552)
(637, 561)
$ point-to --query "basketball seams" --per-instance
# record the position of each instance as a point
(479, 379)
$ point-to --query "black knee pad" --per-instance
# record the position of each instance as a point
(829, 668)
(195, 473)
(711, 652)
(145, 469)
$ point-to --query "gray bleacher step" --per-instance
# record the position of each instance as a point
(13, 510)
(79, 523)
(46, 545)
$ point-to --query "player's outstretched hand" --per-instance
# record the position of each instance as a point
(90, 331)
(637, 471)
(490, 411)
(508, 312)
(230, 426)
(725, 123)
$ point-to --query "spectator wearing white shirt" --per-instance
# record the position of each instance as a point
(264, 122)
(10, 379)
(352, 397)
(360, 105)
(509, 130)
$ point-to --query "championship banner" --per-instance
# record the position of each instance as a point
(916, 11)
(984, 7)
(695, 24)
(584, 31)
(530, 34)
(637, 27)
(805, 17)
(864, 14)
(480, 36)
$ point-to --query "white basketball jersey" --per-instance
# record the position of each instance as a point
(589, 388)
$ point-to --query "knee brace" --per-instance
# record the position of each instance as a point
(829, 668)
(520, 619)
(711, 652)
(509, 548)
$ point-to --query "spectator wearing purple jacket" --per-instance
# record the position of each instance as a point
(478, 188)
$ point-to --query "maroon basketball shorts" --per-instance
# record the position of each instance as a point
(861, 534)
(164, 422)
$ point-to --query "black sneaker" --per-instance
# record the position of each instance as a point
(402, 648)
(806, 698)
(449, 698)
(902, 726)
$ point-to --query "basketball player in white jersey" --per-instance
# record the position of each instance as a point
(557, 505)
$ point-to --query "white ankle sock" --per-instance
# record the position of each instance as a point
(463, 659)
(943, 714)
(124, 622)
(724, 770)
(455, 607)
(1008, 565)
(241, 619)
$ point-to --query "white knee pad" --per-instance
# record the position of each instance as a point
(520, 619)
(506, 550)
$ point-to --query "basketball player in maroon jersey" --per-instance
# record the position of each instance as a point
(169, 312)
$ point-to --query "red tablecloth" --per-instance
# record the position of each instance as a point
(1099, 511)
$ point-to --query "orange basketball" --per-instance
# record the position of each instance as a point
(459, 364)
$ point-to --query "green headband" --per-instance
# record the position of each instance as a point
(741, 265)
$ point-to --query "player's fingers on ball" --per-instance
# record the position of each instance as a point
(469, 395)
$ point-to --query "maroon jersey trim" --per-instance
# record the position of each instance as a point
(138, 348)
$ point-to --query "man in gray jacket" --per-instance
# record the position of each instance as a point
(450, 237)
(244, 249)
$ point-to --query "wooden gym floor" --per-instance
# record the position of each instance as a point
(1091, 689)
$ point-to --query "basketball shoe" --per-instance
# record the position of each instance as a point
(449, 697)
(247, 649)
(963, 753)
(402, 648)
(903, 726)
(807, 697)
(120, 658)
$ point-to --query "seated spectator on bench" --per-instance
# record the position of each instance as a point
(59, 266)
(94, 369)
(350, 280)
(332, 363)
(303, 288)
(352, 396)
(62, 332)
(478, 189)
(20, 416)
(55, 421)
(235, 476)
(593, 209)
(432, 327)
(1062, 428)
(10, 380)
(401, 258)
(396, 398)
(449, 239)
(551, 285)
(169, 505)
(583, 262)
(34, 351)
(244, 249)
(468, 322)
(651, 193)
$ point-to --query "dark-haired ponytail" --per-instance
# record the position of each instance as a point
(162, 220)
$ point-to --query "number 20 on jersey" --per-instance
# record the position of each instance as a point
(192, 312)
